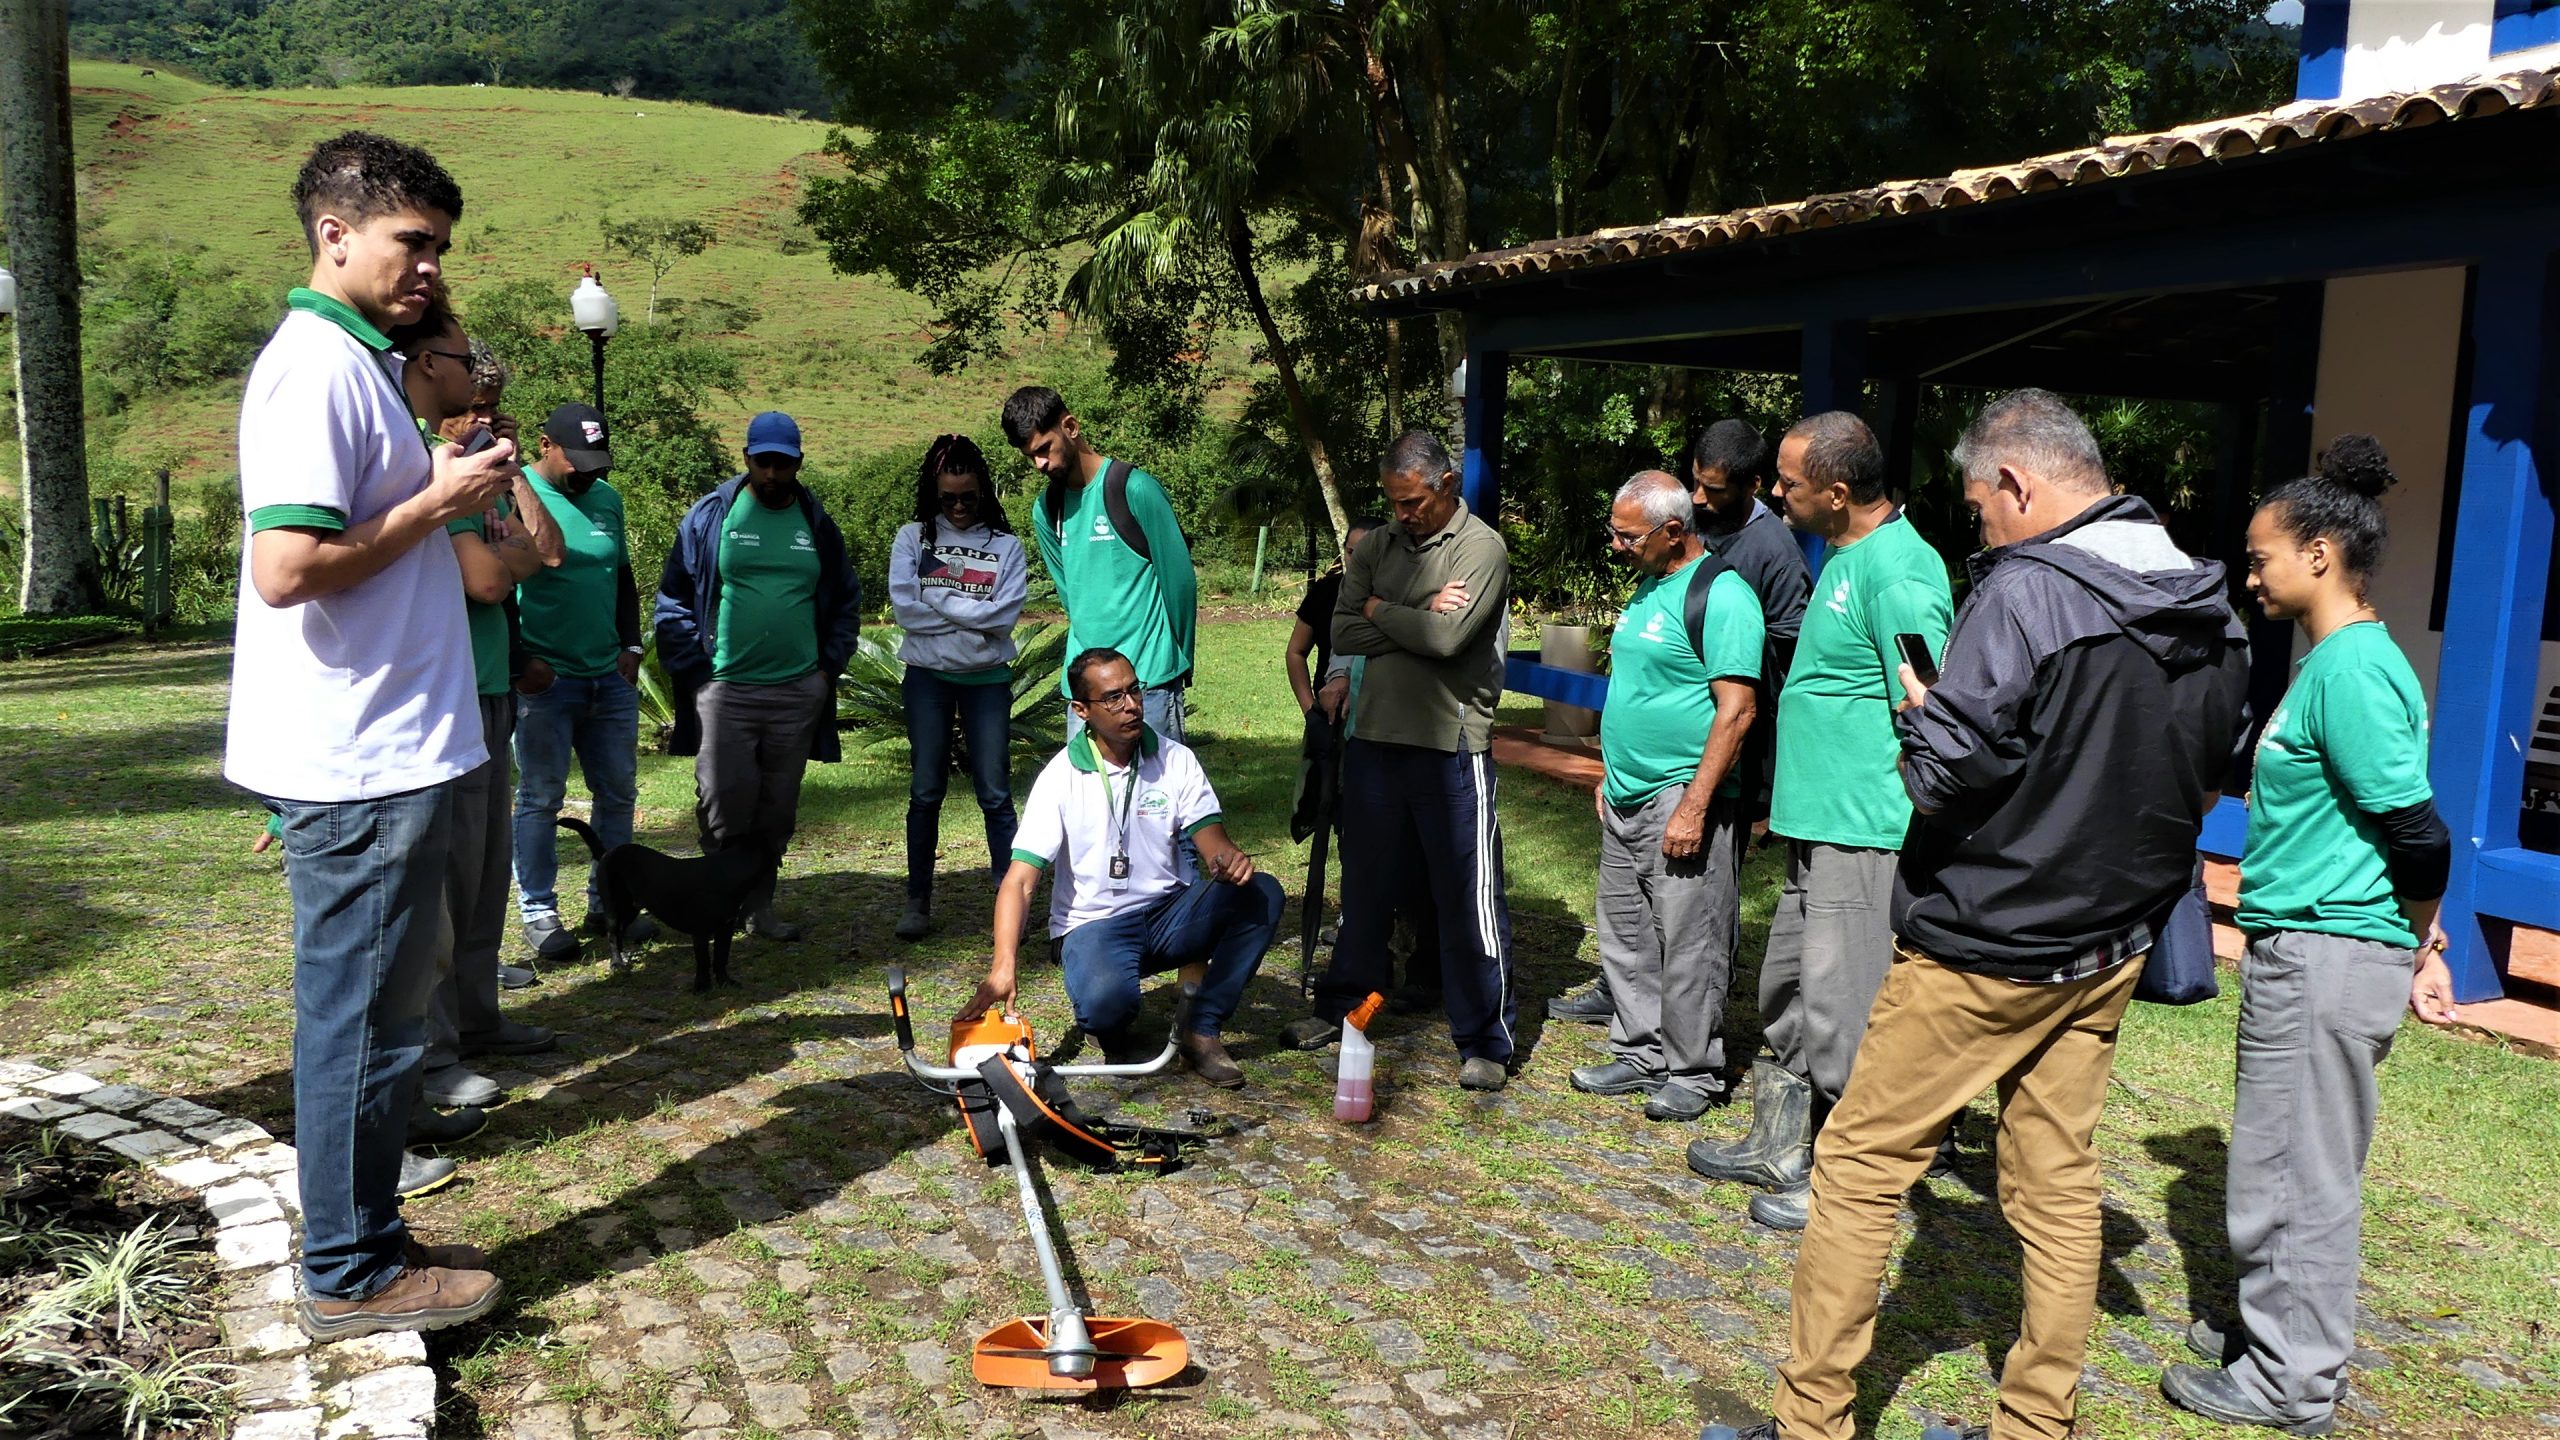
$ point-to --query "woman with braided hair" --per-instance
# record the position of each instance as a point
(2339, 881)
(956, 585)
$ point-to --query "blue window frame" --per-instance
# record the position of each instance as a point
(2524, 24)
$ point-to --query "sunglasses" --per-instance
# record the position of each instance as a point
(965, 500)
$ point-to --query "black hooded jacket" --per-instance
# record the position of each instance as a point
(2080, 728)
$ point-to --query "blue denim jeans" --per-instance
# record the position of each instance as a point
(986, 722)
(597, 718)
(1229, 926)
(367, 880)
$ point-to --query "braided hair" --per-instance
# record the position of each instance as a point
(956, 455)
(2340, 501)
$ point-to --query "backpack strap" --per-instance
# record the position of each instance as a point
(1115, 498)
(1711, 567)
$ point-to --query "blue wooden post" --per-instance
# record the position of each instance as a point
(1834, 377)
(2501, 568)
(1488, 395)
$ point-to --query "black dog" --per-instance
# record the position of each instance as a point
(706, 897)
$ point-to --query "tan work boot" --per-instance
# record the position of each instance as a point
(424, 1297)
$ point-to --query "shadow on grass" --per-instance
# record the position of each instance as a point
(1960, 1285)
(2195, 1200)
(118, 668)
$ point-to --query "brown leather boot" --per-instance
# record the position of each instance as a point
(423, 1297)
(1210, 1061)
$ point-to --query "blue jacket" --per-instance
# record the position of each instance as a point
(688, 610)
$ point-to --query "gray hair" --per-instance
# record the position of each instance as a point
(488, 372)
(2034, 430)
(1419, 452)
(1659, 497)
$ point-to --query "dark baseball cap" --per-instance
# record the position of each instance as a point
(773, 433)
(579, 432)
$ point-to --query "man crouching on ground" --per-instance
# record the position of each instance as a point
(1115, 804)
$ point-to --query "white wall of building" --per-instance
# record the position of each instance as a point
(2395, 46)
(2389, 345)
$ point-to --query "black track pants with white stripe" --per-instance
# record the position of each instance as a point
(1421, 823)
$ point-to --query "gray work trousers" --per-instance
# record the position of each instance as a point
(1830, 946)
(1667, 934)
(755, 744)
(2317, 1013)
(478, 889)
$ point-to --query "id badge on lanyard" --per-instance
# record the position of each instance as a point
(1119, 873)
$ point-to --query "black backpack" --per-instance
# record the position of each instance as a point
(1115, 500)
(1695, 611)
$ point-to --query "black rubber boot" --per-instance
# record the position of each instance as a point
(1779, 1149)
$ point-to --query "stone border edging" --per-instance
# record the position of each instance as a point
(288, 1388)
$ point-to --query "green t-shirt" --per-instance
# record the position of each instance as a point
(1661, 695)
(768, 632)
(567, 611)
(488, 622)
(1147, 609)
(2348, 743)
(1839, 780)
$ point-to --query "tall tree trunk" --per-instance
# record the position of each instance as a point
(1303, 415)
(1564, 163)
(61, 564)
(1440, 123)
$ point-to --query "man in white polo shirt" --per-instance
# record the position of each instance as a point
(353, 708)
(1125, 904)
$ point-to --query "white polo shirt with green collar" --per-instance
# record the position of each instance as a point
(1085, 809)
(368, 692)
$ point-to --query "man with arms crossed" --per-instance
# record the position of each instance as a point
(1838, 800)
(1683, 667)
(352, 711)
(1423, 600)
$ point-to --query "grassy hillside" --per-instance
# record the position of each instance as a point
(167, 161)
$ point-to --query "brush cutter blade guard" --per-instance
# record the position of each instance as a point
(1128, 1354)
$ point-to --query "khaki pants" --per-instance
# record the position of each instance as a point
(1937, 1037)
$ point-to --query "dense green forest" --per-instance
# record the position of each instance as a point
(738, 54)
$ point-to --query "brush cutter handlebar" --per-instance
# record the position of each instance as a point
(924, 1069)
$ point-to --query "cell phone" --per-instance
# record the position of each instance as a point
(1915, 653)
(480, 438)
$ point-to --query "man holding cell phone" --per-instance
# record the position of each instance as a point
(1837, 799)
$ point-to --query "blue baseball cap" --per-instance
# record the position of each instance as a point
(773, 433)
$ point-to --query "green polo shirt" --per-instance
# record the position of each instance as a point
(1661, 688)
(767, 630)
(488, 622)
(1839, 778)
(2348, 743)
(567, 610)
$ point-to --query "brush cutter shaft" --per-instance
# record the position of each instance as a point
(1070, 1349)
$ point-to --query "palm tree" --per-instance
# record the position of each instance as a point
(1199, 119)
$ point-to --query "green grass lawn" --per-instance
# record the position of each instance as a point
(165, 160)
(752, 1160)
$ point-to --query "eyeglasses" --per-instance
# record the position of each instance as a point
(1618, 540)
(459, 357)
(1127, 698)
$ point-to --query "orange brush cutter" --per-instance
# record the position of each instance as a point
(1009, 1098)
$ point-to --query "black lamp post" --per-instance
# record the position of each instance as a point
(598, 315)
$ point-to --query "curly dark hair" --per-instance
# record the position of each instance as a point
(2341, 500)
(956, 455)
(360, 175)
